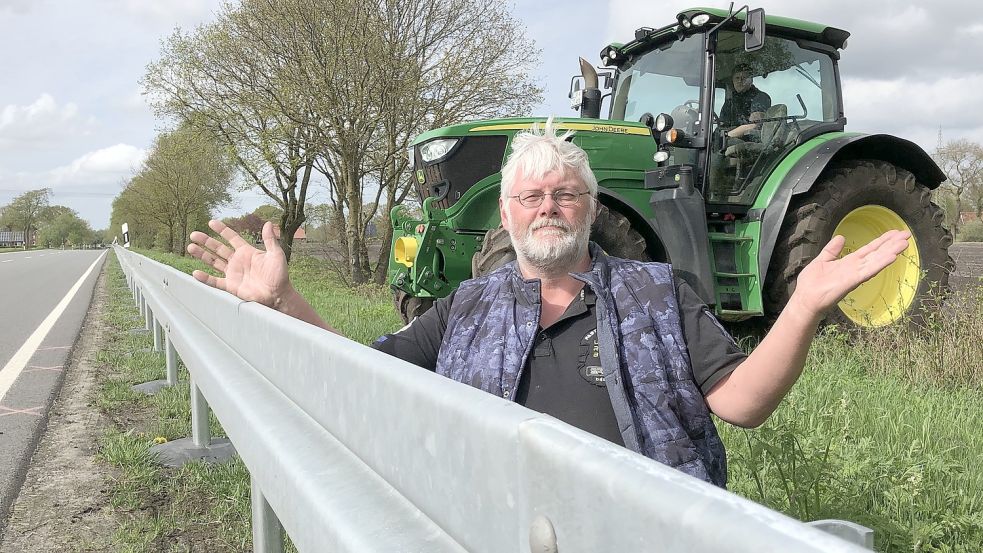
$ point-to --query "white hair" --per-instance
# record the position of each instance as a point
(539, 152)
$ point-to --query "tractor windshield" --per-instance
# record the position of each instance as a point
(763, 102)
(665, 79)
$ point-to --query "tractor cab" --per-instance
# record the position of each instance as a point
(721, 99)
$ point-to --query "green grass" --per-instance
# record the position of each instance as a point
(199, 507)
(885, 428)
(855, 444)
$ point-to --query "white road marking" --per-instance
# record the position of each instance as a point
(7, 261)
(13, 368)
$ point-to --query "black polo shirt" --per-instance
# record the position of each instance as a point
(562, 376)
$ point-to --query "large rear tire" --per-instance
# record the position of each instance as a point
(861, 199)
(611, 230)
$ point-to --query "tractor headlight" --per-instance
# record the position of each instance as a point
(663, 122)
(436, 149)
(700, 19)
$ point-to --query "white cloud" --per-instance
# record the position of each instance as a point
(170, 13)
(100, 166)
(40, 121)
(875, 105)
(975, 29)
(19, 7)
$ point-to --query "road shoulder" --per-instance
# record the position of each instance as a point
(63, 504)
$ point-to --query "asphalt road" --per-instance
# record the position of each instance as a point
(44, 296)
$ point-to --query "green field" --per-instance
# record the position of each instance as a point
(884, 429)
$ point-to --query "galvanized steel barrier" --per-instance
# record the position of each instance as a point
(353, 450)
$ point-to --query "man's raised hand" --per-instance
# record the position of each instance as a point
(250, 273)
(829, 278)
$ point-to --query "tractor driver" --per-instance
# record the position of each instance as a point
(661, 363)
(745, 106)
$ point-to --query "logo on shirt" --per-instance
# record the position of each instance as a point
(590, 360)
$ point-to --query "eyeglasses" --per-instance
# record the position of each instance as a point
(562, 198)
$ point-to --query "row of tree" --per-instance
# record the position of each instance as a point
(50, 226)
(186, 175)
(297, 91)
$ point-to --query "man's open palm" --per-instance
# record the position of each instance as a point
(250, 273)
(828, 278)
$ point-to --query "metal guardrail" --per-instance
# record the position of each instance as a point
(353, 450)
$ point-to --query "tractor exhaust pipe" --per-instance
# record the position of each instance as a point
(591, 106)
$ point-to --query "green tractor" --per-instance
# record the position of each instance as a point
(737, 206)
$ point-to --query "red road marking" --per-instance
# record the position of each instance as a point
(34, 368)
(4, 411)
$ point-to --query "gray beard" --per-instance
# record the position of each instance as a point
(555, 256)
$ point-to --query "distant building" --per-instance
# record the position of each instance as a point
(14, 238)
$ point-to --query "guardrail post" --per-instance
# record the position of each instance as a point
(158, 335)
(149, 315)
(201, 434)
(170, 357)
(201, 446)
(267, 530)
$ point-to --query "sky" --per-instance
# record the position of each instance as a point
(72, 117)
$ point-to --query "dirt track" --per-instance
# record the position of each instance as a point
(969, 264)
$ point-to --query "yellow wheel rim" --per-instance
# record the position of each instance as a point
(885, 298)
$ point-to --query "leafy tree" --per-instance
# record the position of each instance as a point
(268, 213)
(63, 227)
(962, 162)
(185, 176)
(25, 211)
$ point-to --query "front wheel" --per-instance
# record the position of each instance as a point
(862, 199)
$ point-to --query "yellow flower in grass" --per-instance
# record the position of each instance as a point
(160, 440)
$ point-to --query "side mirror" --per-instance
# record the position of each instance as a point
(576, 94)
(754, 30)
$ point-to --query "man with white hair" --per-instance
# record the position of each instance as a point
(616, 347)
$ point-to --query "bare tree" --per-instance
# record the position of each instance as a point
(962, 162)
(228, 78)
(425, 64)
(341, 87)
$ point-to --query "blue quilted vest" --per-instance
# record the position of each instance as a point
(660, 410)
